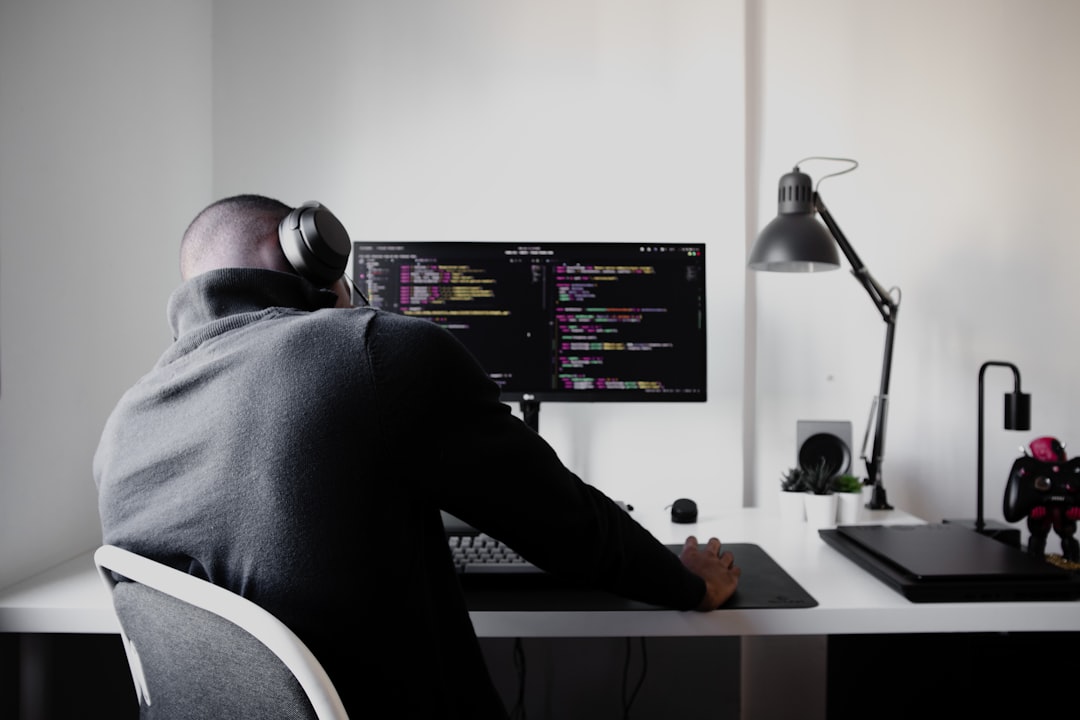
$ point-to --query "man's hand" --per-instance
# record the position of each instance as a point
(716, 568)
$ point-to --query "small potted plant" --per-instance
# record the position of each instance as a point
(848, 489)
(818, 478)
(821, 501)
(792, 494)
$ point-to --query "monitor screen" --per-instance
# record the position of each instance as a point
(559, 321)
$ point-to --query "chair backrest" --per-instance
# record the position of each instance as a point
(197, 650)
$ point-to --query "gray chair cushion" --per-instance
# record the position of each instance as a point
(199, 665)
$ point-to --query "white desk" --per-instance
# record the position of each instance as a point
(70, 599)
(850, 600)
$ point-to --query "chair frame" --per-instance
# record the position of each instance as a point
(240, 611)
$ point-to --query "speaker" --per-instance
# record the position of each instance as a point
(824, 439)
(315, 243)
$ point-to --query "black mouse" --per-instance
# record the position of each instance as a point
(684, 510)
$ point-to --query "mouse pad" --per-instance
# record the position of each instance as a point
(763, 584)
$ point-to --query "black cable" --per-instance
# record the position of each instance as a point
(519, 665)
(628, 702)
(356, 289)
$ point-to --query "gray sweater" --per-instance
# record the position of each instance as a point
(299, 455)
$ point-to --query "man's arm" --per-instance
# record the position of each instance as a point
(495, 473)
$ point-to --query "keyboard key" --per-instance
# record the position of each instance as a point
(484, 554)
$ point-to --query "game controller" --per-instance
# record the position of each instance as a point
(1035, 485)
(1045, 488)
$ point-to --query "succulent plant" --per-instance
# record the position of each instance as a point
(793, 481)
(818, 478)
(847, 483)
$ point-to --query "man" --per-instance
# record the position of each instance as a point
(298, 451)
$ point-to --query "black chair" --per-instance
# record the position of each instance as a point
(197, 650)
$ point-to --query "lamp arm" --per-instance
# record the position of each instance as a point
(873, 463)
(881, 297)
(888, 307)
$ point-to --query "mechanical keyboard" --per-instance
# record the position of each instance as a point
(477, 553)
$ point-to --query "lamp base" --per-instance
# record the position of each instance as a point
(1008, 534)
(878, 499)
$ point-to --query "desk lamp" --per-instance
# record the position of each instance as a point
(1017, 417)
(796, 242)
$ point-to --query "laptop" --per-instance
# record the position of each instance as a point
(951, 563)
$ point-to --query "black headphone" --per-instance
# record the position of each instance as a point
(315, 243)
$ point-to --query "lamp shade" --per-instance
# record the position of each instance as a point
(1017, 411)
(795, 241)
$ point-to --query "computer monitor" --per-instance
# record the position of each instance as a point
(558, 321)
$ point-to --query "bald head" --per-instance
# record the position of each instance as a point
(238, 231)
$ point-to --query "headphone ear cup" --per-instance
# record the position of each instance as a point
(315, 243)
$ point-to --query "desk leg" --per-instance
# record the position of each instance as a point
(35, 654)
(51, 675)
(799, 662)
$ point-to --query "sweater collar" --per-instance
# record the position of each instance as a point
(223, 294)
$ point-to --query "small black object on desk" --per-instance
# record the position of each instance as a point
(684, 510)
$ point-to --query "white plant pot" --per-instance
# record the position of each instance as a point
(792, 506)
(848, 510)
(821, 510)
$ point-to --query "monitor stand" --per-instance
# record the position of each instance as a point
(530, 413)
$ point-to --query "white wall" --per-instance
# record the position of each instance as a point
(963, 115)
(104, 149)
(588, 120)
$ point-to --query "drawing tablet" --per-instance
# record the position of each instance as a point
(763, 584)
